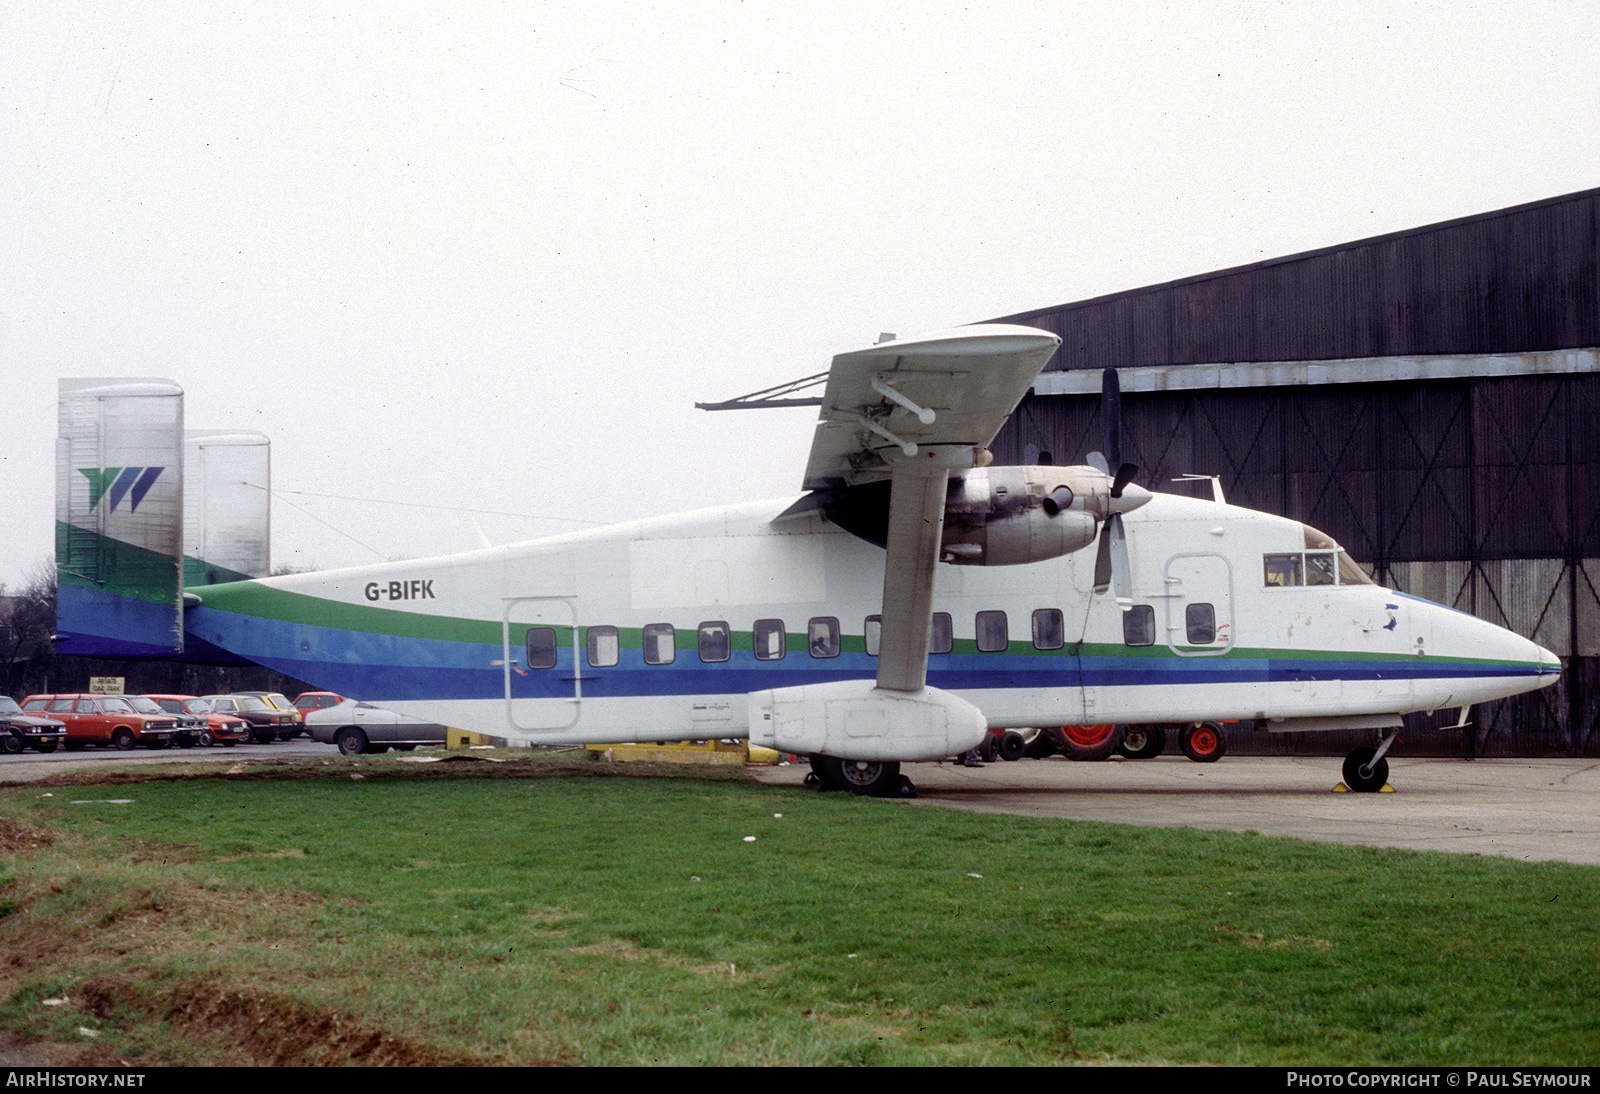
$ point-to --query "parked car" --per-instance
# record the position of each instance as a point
(267, 722)
(210, 728)
(104, 720)
(361, 727)
(281, 702)
(308, 701)
(19, 731)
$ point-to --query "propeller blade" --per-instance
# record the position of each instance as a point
(1111, 567)
(1097, 460)
(1111, 416)
(1102, 560)
(1121, 571)
(1125, 475)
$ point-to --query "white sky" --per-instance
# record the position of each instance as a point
(487, 255)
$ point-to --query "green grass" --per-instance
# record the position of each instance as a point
(629, 920)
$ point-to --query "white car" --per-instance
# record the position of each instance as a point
(361, 727)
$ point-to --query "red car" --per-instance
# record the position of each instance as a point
(219, 729)
(104, 720)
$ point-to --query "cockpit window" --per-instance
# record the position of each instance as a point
(1323, 562)
(1283, 571)
(1320, 568)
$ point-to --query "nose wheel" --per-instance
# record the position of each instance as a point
(1365, 770)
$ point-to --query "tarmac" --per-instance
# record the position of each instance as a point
(1528, 809)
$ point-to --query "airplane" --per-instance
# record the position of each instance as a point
(912, 599)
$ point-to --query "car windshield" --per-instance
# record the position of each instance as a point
(115, 704)
(250, 702)
(196, 706)
(143, 705)
(8, 705)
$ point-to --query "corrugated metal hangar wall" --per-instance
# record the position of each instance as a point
(1430, 398)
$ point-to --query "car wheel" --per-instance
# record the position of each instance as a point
(123, 739)
(10, 743)
(1143, 742)
(1012, 746)
(351, 741)
(1096, 742)
(1203, 742)
(207, 738)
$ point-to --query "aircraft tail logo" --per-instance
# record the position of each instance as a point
(119, 482)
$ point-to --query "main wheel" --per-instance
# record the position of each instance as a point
(351, 741)
(1012, 745)
(1361, 774)
(989, 750)
(1143, 742)
(872, 778)
(867, 777)
(1203, 742)
(1095, 742)
(123, 738)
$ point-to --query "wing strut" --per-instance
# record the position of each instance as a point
(916, 524)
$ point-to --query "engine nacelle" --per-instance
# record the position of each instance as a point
(1005, 516)
(995, 516)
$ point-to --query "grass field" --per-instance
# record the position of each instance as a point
(563, 914)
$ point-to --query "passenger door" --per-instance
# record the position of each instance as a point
(542, 662)
(1199, 601)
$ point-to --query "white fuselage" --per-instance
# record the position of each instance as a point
(660, 629)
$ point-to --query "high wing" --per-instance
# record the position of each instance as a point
(913, 411)
(965, 382)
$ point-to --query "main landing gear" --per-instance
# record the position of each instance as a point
(877, 779)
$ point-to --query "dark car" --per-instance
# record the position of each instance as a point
(267, 722)
(19, 731)
(281, 702)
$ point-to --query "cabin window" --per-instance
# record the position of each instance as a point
(1049, 632)
(1139, 626)
(941, 633)
(715, 644)
(990, 628)
(1200, 621)
(822, 636)
(603, 646)
(660, 644)
(767, 638)
(871, 632)
(541, 647)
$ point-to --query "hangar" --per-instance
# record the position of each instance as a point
(1430, 398)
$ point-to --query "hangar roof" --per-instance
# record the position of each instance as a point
(1504, 282)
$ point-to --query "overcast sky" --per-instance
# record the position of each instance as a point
(486, 256)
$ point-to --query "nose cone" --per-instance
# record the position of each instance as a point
(1549, 666)
(1499, 662)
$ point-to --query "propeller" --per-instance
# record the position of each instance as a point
(1111, 568)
